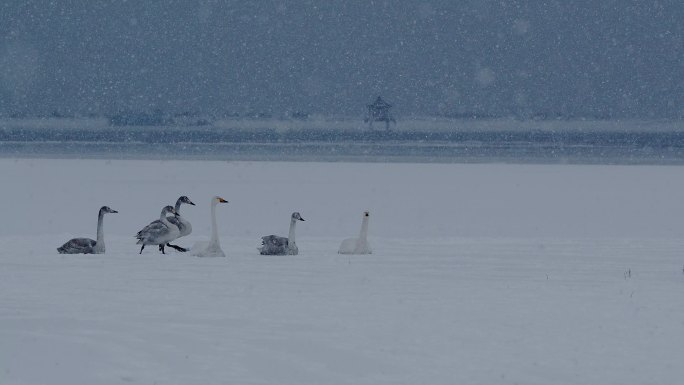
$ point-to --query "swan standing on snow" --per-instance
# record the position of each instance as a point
(358, 245)
(213, 247)
(275, 245)
(87, 245)
(184, 226)
(159, 234)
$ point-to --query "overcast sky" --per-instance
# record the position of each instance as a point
(585, 58)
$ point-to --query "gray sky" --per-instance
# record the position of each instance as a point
(613, 58)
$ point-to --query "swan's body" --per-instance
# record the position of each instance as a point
(275, 245)
(87, 245)
(183, 225)
(358, 245)
(158, 233)
(213, 247)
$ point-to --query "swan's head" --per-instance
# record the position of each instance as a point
(217, 200)
(169, 210)
(106, 209)
(366, 214)
(296, 216)
(185, 199)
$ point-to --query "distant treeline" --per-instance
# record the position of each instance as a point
(159, 135)
(158, 117)
(161, 118)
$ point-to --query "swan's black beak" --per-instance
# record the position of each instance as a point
(190, 203)
(302, 219)
(113, 211)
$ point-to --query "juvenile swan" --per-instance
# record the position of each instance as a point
(358, 245)
(184, 226)
(159, 234)
(213, 247)
(87, 245)
(275, 245)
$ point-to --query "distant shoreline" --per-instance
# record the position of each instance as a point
(431, 141)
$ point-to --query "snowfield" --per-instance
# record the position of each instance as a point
(480, 274)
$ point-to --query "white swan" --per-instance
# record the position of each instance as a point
(275, 245)
(358, 245)
(160, 233)
(87, 245)
(213, 247)
(184, 226)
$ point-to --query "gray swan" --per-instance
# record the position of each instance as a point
(184, 226)
(87, 245)
(275, 245)
(159, 234)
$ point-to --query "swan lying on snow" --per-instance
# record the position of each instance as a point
(158, 233)
(275, 245)
(213, 247)
(87, 245)
(358, 245)
(184, 226)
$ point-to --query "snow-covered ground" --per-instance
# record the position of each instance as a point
(481, 274)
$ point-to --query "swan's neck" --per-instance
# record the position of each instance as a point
(364, 229)
(178, 205)
(214, 230)
(100, 232)
(291, 235)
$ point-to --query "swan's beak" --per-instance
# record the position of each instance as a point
(223, 200)
(190, 203)
(113, 211)
(302, 219)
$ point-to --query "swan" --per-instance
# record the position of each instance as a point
(213, 247)
(87, 245)
(184, 226)
(158, 234)
(275, 245)
(358, 245)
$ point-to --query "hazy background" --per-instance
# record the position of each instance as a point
(606, 59)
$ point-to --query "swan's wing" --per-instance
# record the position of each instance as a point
(347, 246)
(148, 228)
(77, 246)
(274, 240)
(273, 244)
(156, 226)
(153, 232)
